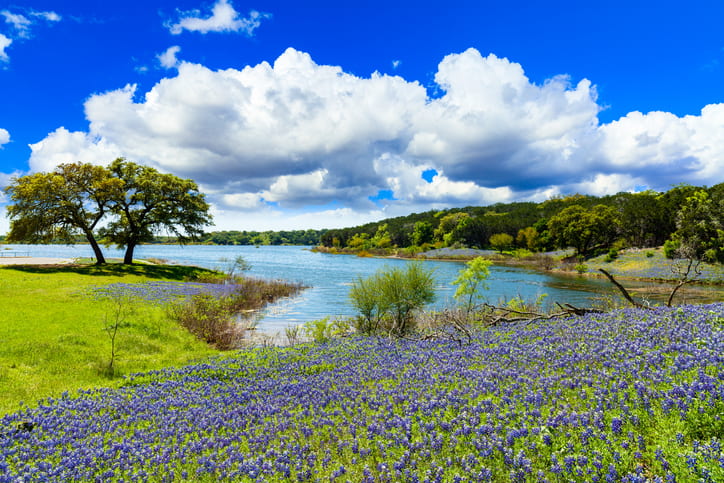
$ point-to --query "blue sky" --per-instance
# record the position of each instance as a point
(312, 114)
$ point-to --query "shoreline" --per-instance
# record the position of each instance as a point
(467, 254)
(5, 261)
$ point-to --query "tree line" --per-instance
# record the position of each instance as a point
(687, 219)
(284, 237)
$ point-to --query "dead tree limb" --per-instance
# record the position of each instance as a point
(623, 291)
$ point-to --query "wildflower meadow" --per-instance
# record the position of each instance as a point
(632, 395)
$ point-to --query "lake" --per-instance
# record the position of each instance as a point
(330, 276)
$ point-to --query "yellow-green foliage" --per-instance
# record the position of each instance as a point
(52, 336)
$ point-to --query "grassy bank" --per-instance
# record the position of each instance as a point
(52, 336)
(634, 395)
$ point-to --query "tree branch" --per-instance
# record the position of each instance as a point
(623, 291)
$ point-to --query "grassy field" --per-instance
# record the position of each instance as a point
(52, 336)
(633, 395)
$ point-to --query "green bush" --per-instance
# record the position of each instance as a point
(612, 255)
(391, 296)
(671, 247)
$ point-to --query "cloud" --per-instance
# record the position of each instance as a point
(49, 16)
(62, 146)
(4, 137)
(667, 149)
(224, 18)
(4, 43)
(19, 22)
(272, 142)
(21, 26)
(168, 58)
(410, 187)
(496, 128)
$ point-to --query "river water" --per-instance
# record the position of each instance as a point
(330, 276)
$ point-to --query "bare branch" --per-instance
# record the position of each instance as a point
(623, 291)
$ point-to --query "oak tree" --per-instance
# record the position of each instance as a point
(56, 206)
(153, 202)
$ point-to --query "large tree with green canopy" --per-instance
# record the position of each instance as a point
(125, 203)
(153, 202)
(56, 206)
(584, 229)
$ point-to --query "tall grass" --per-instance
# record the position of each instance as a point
(221, 317)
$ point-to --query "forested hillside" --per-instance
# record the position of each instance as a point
(586, 223)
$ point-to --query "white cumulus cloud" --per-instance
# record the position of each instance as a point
(223, 18)
(668, 148)
(168, 58)
(4, 44)
(293, 138)
(62, 146)
(4, 137)
(22, 24)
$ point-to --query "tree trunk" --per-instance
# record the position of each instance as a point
(100, 259)
(128, 257)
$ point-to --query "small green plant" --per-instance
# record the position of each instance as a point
(521, 253)
(581, 268)
(649, 254)
(120, 307)
(324, 330)
(518, 304)
(470, 281)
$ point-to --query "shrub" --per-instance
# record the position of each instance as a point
(322, 330)
(581, 268)
(546, 262)
(209, 318)
(394, 294)
(470, 280)
(671, 247)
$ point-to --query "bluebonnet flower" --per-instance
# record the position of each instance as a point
(510, 403)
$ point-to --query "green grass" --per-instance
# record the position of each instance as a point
(52, 336)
